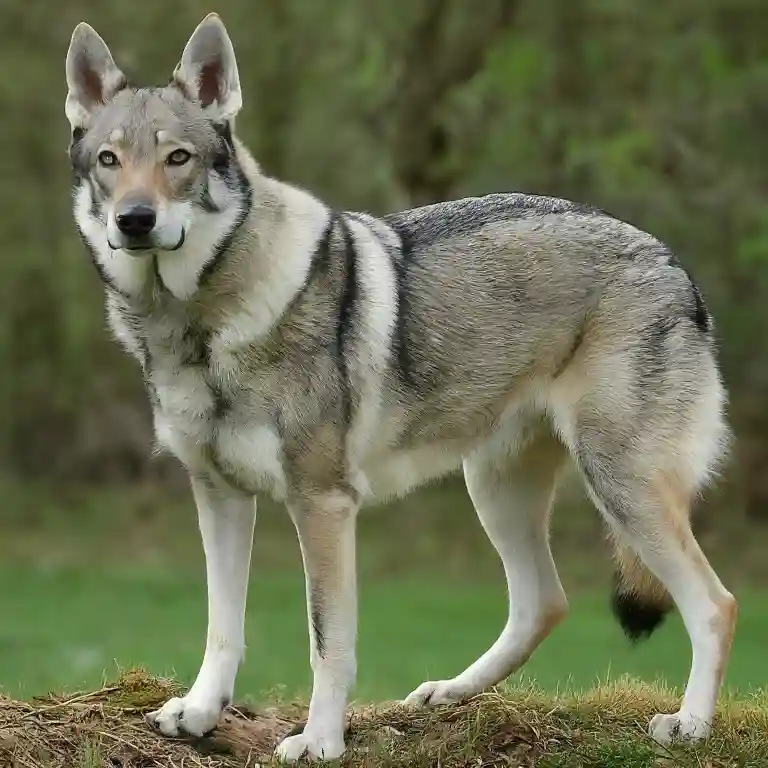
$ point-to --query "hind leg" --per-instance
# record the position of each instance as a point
(512, 496)
(644, 487)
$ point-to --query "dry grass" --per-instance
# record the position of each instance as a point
(523, 727)
(107, 728)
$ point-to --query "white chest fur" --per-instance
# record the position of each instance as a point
(211, 429)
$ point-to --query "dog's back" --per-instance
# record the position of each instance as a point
(506, 291)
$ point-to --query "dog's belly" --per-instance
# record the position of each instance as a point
(389, 472)
(395, 473)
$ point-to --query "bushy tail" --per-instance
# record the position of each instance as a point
(640, 602)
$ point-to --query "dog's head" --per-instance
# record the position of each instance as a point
(153, 161)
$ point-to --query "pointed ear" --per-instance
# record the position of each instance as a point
(92, 76)
(208, 70)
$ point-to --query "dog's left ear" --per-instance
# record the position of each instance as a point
(208, 70)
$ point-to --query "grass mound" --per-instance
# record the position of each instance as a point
(522, 727)
(107, 728)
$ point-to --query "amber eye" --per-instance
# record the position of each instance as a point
(108, 159)
(178, 157)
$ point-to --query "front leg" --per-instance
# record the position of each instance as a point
(226, 523)
(325, 523)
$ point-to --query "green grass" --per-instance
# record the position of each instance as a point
(63, 628)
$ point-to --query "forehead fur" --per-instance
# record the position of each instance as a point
(137, 116)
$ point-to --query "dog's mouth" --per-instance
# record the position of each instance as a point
(142, 246)
(182, 238)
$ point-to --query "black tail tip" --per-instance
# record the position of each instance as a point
(638, 618)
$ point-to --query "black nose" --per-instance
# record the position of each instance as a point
(136, 221)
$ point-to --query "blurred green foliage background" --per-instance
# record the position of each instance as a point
(656, 112)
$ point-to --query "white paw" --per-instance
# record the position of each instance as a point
(678, 727)
(291, 748)
(179, 716)
(433, 693)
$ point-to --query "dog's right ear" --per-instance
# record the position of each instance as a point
(93, 77)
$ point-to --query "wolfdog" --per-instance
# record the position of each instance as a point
(332, 359)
